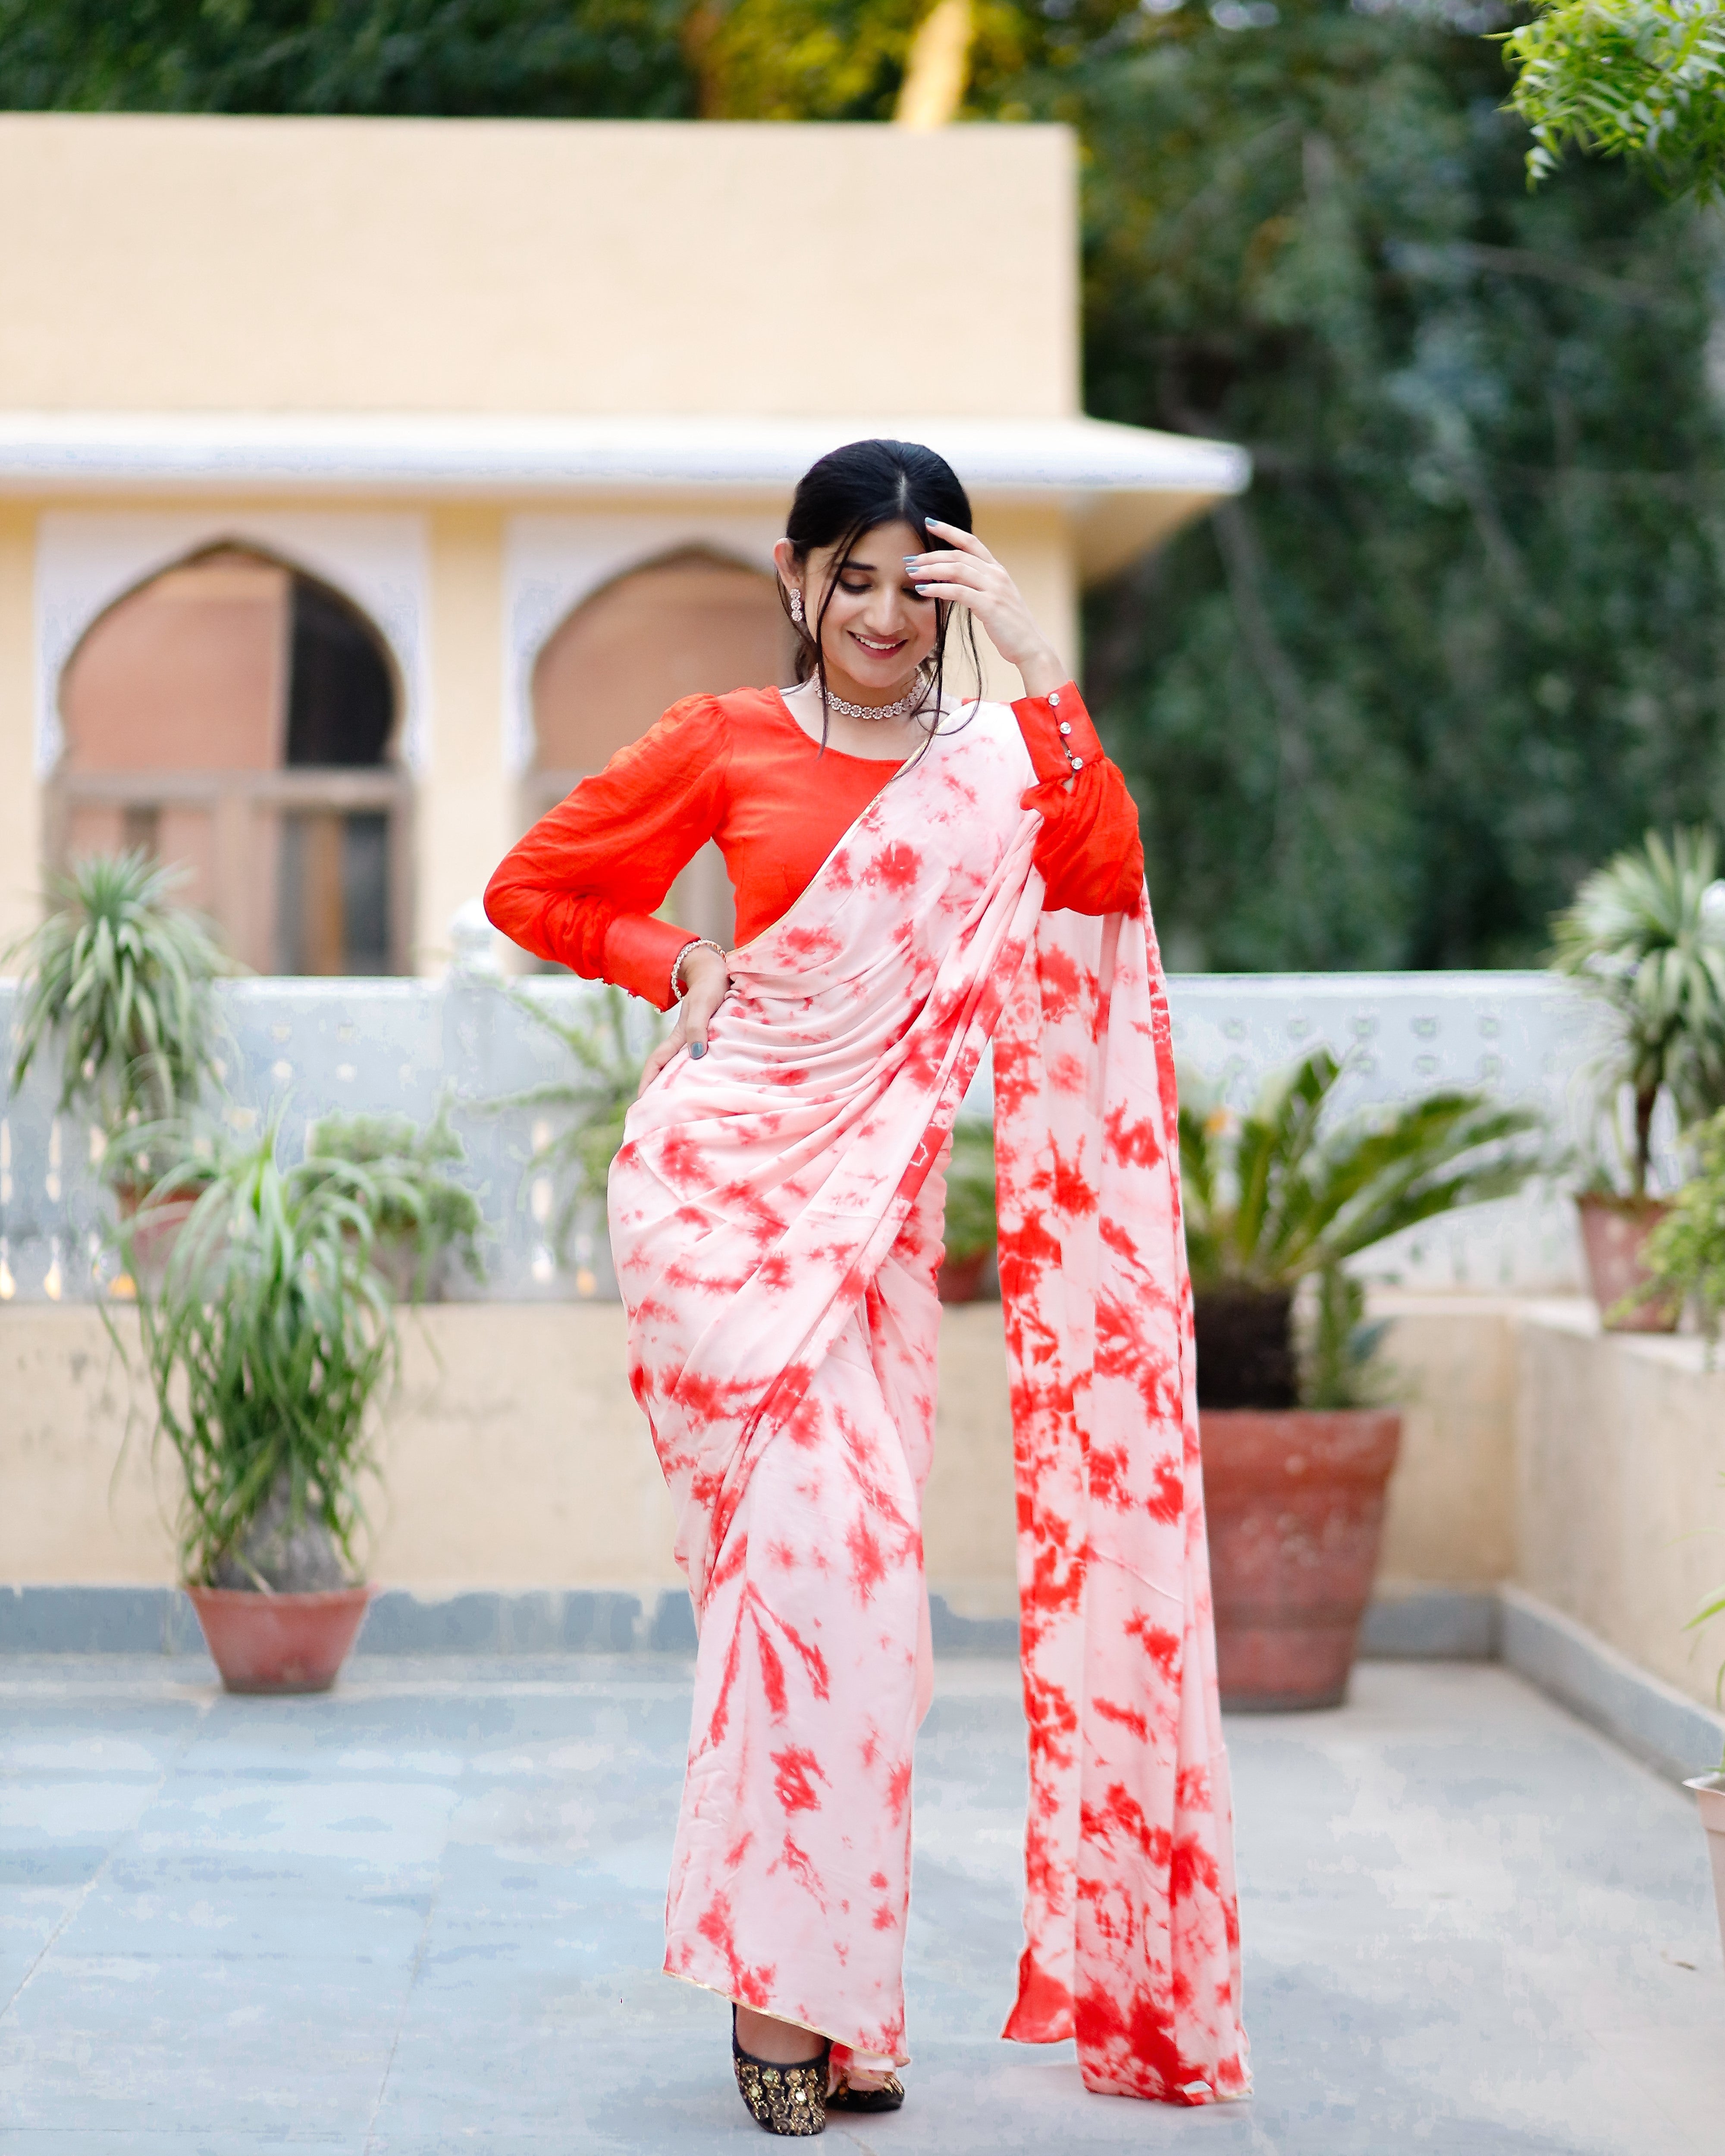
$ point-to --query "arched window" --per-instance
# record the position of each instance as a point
(238, 716)
(689, 623)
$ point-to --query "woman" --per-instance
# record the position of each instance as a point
(913, 877)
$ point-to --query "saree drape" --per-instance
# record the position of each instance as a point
(775, 1216)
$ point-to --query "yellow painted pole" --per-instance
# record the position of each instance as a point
(938, 72)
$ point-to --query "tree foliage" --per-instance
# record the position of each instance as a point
(1644, 79)
(525, 58)
(1461, 641)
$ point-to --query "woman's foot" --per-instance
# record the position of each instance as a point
(784, 2043)
(784, 2082)
(866, 2082)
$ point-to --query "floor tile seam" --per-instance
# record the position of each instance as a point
(170, 1767)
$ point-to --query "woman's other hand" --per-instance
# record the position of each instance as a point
(963, 572)
(706, 981)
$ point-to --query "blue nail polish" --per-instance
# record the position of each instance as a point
(922, 591)
(697, 1051)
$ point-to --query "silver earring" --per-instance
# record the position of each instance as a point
(796, 608)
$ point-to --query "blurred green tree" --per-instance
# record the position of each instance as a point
(1463, 640)
(526, 58)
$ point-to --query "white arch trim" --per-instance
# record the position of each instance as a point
(551, 563)
(85, 561)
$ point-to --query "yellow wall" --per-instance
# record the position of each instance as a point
(154, 262)
(514, 1454)
(20, 799)
(1586, 1469)
(463, 817)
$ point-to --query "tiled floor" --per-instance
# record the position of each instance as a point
(422, 1914)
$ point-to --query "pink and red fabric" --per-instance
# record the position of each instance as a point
(776, 1217)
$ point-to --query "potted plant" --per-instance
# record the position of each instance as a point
(1685, 1259)
(1647, 936)
(1296, 1459)
(119, 979)
(268, 1341)
(1710, 1789)
(427, 1220)
(972, 1228)
(584, 1130)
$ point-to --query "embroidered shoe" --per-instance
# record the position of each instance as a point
(781, 2099)
(891, 2094)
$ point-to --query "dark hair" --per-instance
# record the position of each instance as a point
(839, 501)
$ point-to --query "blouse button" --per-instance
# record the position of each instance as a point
(1054, 697)
(1065, 726)
(1077, 762)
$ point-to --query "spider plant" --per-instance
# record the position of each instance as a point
(425, 1213)
(589, 1105)
(1286, 1192)
(1684, 1256)
(1647, 936)
(268, 1341)
(119, 977)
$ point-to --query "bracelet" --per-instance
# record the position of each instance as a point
(695, 943)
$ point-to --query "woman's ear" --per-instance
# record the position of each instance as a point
(784, 560)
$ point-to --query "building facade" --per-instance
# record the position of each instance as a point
(363, 484)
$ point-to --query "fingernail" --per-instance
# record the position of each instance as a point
(697, 1051)
(922, 591)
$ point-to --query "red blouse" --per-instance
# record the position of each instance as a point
(583, 886)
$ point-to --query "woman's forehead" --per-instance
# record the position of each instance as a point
(885, 547)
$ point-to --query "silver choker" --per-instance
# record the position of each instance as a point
(911, 700)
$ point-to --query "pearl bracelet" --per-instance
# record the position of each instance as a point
(696, 944)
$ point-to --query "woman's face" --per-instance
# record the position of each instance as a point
(877, 631)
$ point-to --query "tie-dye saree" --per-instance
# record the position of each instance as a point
(776, 1218)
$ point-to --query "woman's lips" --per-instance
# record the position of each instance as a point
(879, 650)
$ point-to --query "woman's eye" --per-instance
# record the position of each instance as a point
(855, 591)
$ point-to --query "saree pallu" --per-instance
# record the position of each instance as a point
(775, 1215)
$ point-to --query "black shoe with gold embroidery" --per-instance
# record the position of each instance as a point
(888, 2097)
(781, 2099)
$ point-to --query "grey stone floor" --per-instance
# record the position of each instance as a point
(422, 1914)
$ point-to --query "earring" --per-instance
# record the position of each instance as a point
(796, 608)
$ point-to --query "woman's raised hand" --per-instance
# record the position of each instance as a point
(706, 979)
(962, 571)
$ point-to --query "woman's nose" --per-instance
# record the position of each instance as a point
(887, 616)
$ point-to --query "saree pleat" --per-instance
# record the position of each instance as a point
(776, 1216)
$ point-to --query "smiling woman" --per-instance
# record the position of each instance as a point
(915, 874)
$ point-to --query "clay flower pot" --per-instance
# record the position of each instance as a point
(278, 1642)
(152, 1244)
(960, 1280)
(1710, 1794)
(1613, 1233)
(1294, 1499)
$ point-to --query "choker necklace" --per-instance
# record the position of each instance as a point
(912, 699)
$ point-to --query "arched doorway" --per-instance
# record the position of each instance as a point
(238, 716)
(691, 622)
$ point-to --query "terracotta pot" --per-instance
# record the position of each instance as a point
(1613, 1232)
(960, 1280)
(278, 1642)
(1294, 1500)
(1710, 1794)
(152, 1244)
